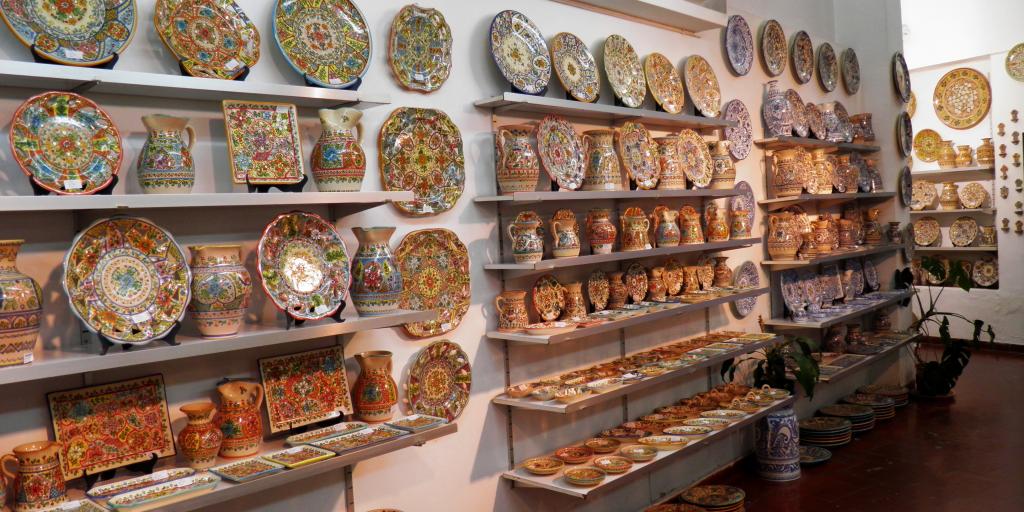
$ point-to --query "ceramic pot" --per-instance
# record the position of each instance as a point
(723, 274)
(527, 242)
(617, 291)
(690, 229)
(847, 234)
(566, 238)
(949, 199)
(239, 418)
(21, 308)
(601, 231)
(776, 112)
(39, 482)
(783, 241)
(511, 307)
(672, 176)
(338, 161)
(986, 152)
(666, 232)
(200, 440)
(862, 128)
(518, 167)
(740, 226)
(221, 287)
(376, 279)
(964, 156)
(718, 227)
(575, 305)
(723, 173)
(883, 323)
(165, 164)
(375, 393)
(635, 233)
(602, 171)
(777, 445)
(656, 289)
(822, 236)
(895, 233)
(988, 236)
(872, 229)
(834, 341)
(787, 173)
(691, 281)
(947, 155)
(807, 247)
(854, 335)
(823, 170)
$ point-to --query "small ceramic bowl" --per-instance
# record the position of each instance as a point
(544, 393)
(613, 464)
(724, 414)
(602, 444)
(638, 452)
(664, 442)
(587, 476)
(519, 391)
(566, 395)
(574, 454)
(687, 430)
(543, 465)
(602, 385)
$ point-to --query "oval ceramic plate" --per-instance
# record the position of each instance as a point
(598, 290)
(703, 86)
(906, 186)
(303, 265)
(519, 50)
(744, 276)
(815, 121)
(82, 33)
(624, 72)
(801, 126)
(912, 105)
(664, 82)
(548, 297)
(871, 276)
(636, 282)
(962, 98)
(174, 490)
(740, 137)
(435, 276)
(803, 57)
(575, 67)
(926, 231)
(187, 28)
(65, 143)
(559, 149)
(1015, 62)
(419, 48)
(328, 42)
(926, 145)
(739, 45)
(963, 231)
(421, 150)
(904, 133)
(851, 71)
(773, 47)
(828, 67)
(901, 77)
(638, 154)
(439, 381)
(127, 279)
(695, 157)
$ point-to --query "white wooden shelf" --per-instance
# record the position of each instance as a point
(959, 211)
(823, 200)
(597, 195)
(979, 172)
(859, 365)
(681, 15)
(156, 85)
(837, 255)
(957, 249)
(788, 142)
(892, 298)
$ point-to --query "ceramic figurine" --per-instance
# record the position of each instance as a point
(656, 289)
(221, 287)
(165, 164)
(518, 166)
(239, 418)
(777, 116)
(666, 232)
(617, 292)
(787, 173)
(777, 445)
(947, 155)
(566, 234)
(672, 176)
(338, 161)
(950, 197)
(986, 152)
(964, 156)
(375, 393)
(723, 274)
(21, 308)
(511, 307)
(376, 278)
(635, 232)
(602, 171)
(783, 242)
(575, 305)
(527, 242)
(723, 174)
(601, 231)
(200, 440)
(39, 483)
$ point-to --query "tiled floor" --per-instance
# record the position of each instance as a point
(966, 456)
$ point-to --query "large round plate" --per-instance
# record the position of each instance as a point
(82, 33)
(519, 50)
(745, 275)
(439, 381)
(739, 45)
(926, 231)
(851, 71)
(575, 67)
(828, 67)
(801, 125)
(559, 149)
(420, 48)
(717, 496)
(985, 272)
(743, 200)
(1014, 62)
(304, 265)
(773, 47)
(740, 137)
(815, 121)
(703, 86)
(664, 82)
(638, 154)
(186, 27)
(792, 291)
(922, 195)
(66, 143)
(901, 77)
(435, 276)
(624, 72)
(127, 279)
(926, 145)
(912, 105)
(963, 231)
(906, 186)
(973, 195)
(904, 133)
(421, 150)
(329, 44)
(962, 98)
(548, 297)
(636, 282)
(803, 57)
(856, 277)
(695, 157)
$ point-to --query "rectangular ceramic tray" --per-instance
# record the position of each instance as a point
(338, 429)
(103, 492)
(76, 506)
(416, 422)
(246, 470)
(298, 456)
(155, 496)
(360, 439)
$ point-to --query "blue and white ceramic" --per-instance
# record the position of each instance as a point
(777, 445)
(739, 45)
(520, 52)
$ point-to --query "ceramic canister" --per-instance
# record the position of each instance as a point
(376, 279)
(39, 482)
(338, 162)
(511, 307)
(601, 231)
(375, 393)
(518, 166)
(200, 440)
(777, 445)
(221, 288)
(165, 164)
(21, 303)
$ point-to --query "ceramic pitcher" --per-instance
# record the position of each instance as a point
(740, 226)
(566, 235)
(338, 161)
(511, 308)
(635, 233)
(847, 234)
(375, 393)
(239, 418)
(777, 115)
(964, 155)
(602, 170)
(656, 288)
(666, 231)
(823, 170)
(200, 440)
(221, 287)
(786, 174)
(723, 274)
(672, 176)
(575, 305)
(783, 241)
(822, 235)
(947, 155)
(39, 482)
(617, 292)
(986, 152)
(376, 279)
(601, 231)
(165, 165)
(723, 173)
(690, 230)
(518, 167)
(718, 225)
(21, 310)
(527, 242)
(949, 199)
(777, 445)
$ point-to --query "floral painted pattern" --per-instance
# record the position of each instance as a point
(703, 86)
(439, 381)
(559, 149)
(305, 388)
(665, 84)
(575, 67)
(210, 38)
(421, 151)
(248, 469)
(263, 142)
(773, 47)
(851, 71)
(740, 137)
(639, 154)
(73, 32)
(326, 41)
(624, 72)
(420, 48)
(828, 67)
(739, 45)
(803, 57)
(519, 51)
(435, 276)
(962, 98)
(548, 297)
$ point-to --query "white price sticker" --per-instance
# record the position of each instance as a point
(141, 317)
(321, 309)
(72, 184)
(73, 54)
(232, 64)
(334, 81)
(446, 326)
(27, 358)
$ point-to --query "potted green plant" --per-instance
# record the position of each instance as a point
(770, 365)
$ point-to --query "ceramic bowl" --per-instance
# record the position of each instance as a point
(725, 414)
(574, 454)
(572, 394)
(550, 328)
(714, 423)
(613, 464)
(638, 452)
(544, 393)
(688, 430)
(586, 476)
(519, 391)
(543, 465)
(602, 385)
(602, 444)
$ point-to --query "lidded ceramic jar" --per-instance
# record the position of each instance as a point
(672, 176)
(601, 231)
(986, 152)
(617, 292)
(338, 162)
(787, 173)
(221, 287)
(21, 308)
(776, 112)
(602, 171)
(376, 278)
(518, 166)
(200, 440)
(949, 199)
(783, 238)
(723, 172)
(947, 155)
(964, 156)
(511, 308)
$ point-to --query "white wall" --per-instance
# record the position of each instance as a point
(940, 31)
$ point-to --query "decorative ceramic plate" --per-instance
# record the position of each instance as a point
(986, 272)
(210, 38)
(105, 491)
(973, 195)
(439, 381)
(416, 423)
(421, 150)
(435, 276)
(739, 45)
(963, 231)
(77, 34)
(674, 276)
(298, 456)
(923, 195)
(857, 277)
(519, 50)
(598, 290)
(624, 72)
(871, 276)
(743, 200)
(664, 82)
(366, 437)
(1014, 62)
(801, 125)
(828, 67)
(696, 158)
(154, 495)
(84, 423)
(803, 57)
(548, 298)
(419, 48)
(851, 71)
(909, 248)
(792, 291)
(811, 455)
(815, 121)
(560, 151)
(907, 186)
(740, 137)
(303, 265)
(904, 133)
(66, 143)
(638, 154)
(912, 105)
(338, 429)
(328, 42)
(127, 279)
(901, 77)
(703, 86)
(926, 231)
(246, 470)
(746, 276)
(82, 505)
(962, 98)
(575, 67)
(636, 282)
(716, 496)
(263, 143)
(926, 145)
(773, 47)
(305, 388)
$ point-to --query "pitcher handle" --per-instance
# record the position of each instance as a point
(586, 139)
(501, 146)
(3, 467)
(191, 136)
(259, 396)
(359, 132)
(508, 229)
(498, 301)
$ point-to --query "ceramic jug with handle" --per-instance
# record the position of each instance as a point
(527, 242)
(672, 176)
(602, 171)
(617, 292)
(786, 173)
(601, 231)
(39, 482)
(375, 393)
(566, 236)
(777, 115)
(338, 162)
(666, 231)
(376, 279)
(635, 233)
(239, 418)
(511, 307)
(165, 165)
(200, 440)
(723, 173)
(691, 232)
(783, 241)
(518, 167)
(575, 305)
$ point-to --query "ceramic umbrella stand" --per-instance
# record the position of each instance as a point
(777, 445)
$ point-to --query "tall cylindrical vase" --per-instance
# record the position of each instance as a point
(21, 308)
(777, 445)
(375, 393)
(376, 279)
(221, 287)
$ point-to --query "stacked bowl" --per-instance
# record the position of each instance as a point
(715, 498)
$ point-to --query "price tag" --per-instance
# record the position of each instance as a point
(334, 81)
(73, 54)
(321, 309)
(446, 326)
(141, 317)
(72, 184)
(232, 64)
(27, 358)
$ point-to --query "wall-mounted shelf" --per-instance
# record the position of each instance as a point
(823, 200)
(833, 256)
(892, 298)
(854, 368)
(597, 195)
(789, 142)
(979, 172)
(679, 15)
(963, 211)
(957, 249)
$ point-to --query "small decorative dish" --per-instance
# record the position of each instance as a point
(101, 493)
(714, 423)
(366, 437)
(724, 414)
(572, 394)
(76, 506)
(298, 456)
(338, 429)
(638, 452)
(550, 328)
(245, 470)
(585, 477)
(664, 442)
(166, 493)
(416, 422)
(574, 454)
(613, 464)
(543, 466)
(602, 444)
(688, 430)
(519, 390)
(544, 393)
(602, 385)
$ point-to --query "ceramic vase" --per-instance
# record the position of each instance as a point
(988, 236)
(895, 233)
(672, 176)
(691, 232)
(375, 393)
(872, 229)
(601, 231)
(617, 292)
(691, 281)
(602, 171)
(777, 115)
(949, 199)
(835, 341)
(376, 279)
(786, 173)
(575, 305)
(221, 287)
(239, 418)
(527, 242)
(847, 234)
(823, 235)
(20, 308)
(635, 233)
(986, 152)
(718, 227)
(518, 167)
(39, 482)
(723, 173)
(666, 232)
(511, 308)
(723, 274)
(777, 445)
(200, 440)
(740, 225)
(823, 170)
(338, 161)
(656, 289)
(566, 235)
(964, 156)
(165, 164)
(783, 241)
(947, 155)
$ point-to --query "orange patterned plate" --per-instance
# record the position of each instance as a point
(435, 276)
(439, 381)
